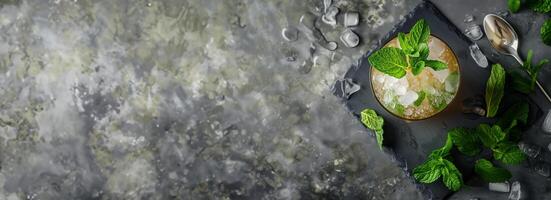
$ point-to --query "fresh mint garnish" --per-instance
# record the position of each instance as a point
(389, 60)
(508, 153)
(545, 32)
(486, 170)
(494, 90)
(541, 6)
(420, 98)
(490, 136)
(412, 54)
(374, 122)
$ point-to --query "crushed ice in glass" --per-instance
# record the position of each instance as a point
(474, 32)
(289, 33)
(478, 56)
(516, 191)
(546, 126)
(530, 150)
(349, 38)
(344, 88)
(468, 18)
(499, 187)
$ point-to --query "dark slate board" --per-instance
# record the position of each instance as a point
(412, 141)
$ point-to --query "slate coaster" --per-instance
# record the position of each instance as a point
(412, 141)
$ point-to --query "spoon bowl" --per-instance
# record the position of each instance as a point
(501, 35)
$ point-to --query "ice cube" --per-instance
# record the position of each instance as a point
(504, 13)
(330, 17)
(499, 187)
(468, 18)
(530, 150)
(289, 33)
(408, 98)
(326, 5)
(516, 191)
(349, 38)
(441, 75)
(542, 168)
(380, 78)
(474, 32)
(452, 82)
(549, 147)
(436, 49)
(389, 82)
(478, 56)
(351, 19)
(344, 88)
(546, 126)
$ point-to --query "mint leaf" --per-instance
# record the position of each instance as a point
(486, 170)
(545, 32)
(374, 122)
(514, 5)
(508, 153)
(420, 98)
(451, 176)
(428, 172)
(418, 68)
(465, 140)
(521, 83)
(442, 151)
(389, 60)
(494, 89)
(436, 65)
(404, 44)
(490, 136)
(541, 6)
(423, 51)
(419, 33)
(517, 113)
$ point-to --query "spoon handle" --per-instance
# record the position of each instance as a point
(537, 82)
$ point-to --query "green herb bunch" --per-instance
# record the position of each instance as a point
(412, 54)
(500, 138)
(526, 85)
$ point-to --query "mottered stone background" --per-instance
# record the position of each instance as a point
(186, 99)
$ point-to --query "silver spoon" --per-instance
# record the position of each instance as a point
(504, 39)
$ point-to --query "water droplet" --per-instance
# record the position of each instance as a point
(149, 4)
(330, 17)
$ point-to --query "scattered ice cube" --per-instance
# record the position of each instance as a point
(499, 187)
(330, 17)
(326, 5)
(344, 88)
(474, 32)
(351, 19)
(474, 105)
(542, 168)
(504, 13)
(313, 33)
(546, 126)
(516, 191)
(306, 66)
(289, 33)
(408, 98)
(349, 38)
(468, 18)
(530, 150)
(478, 56)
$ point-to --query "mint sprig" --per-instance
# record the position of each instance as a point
(374, 122)
(486, 170)
(527, 85)
(494, 89)
(412, 54)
